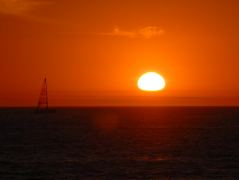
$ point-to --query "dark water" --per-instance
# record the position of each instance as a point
(120, 143)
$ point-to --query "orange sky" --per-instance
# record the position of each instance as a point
(92, 51)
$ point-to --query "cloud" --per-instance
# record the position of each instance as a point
(18, 7)
(145, 33)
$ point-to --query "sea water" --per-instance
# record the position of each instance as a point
(120, 143)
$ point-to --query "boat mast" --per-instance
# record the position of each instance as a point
(46, 93)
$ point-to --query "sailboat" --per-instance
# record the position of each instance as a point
(42, 106)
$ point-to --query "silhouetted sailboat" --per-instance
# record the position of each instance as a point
(42, 106)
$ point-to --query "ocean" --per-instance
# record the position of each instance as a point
(120, 143)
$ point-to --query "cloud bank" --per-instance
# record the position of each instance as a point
(145, 33)
(18, 7)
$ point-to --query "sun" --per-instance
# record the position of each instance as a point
(151, 81)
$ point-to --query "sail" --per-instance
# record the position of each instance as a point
(43, 99)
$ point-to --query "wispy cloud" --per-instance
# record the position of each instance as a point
(19, 7)
(146, 33)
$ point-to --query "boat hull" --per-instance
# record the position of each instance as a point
(45, 111)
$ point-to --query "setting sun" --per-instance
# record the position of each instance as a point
(151, 81)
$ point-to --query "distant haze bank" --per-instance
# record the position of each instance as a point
(81, 101)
